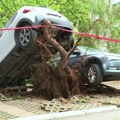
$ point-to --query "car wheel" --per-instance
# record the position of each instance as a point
(94, 74)
(22, 83)
(24, 36)
(65, 39)
(70, 43)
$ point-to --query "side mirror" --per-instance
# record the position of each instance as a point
(76, 52)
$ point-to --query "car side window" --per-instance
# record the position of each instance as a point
(10, 21)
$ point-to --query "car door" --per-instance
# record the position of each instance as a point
(74, 58)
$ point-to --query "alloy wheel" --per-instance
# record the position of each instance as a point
(92, 74)
(24, 37)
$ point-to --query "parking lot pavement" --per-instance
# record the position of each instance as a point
(115, 84)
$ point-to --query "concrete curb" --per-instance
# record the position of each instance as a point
(67, 115)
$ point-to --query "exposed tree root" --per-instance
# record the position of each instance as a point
(51, 83)
(48, 80)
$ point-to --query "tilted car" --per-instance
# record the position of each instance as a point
(95, 65)
(16, 45)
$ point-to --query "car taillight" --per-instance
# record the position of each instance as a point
(26, 11)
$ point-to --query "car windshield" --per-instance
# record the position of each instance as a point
(89, 50)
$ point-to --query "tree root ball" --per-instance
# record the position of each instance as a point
(51, 83)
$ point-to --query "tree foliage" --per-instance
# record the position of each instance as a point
(81, 13)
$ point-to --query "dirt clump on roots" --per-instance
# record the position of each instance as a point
(48, 80)
(51, 83)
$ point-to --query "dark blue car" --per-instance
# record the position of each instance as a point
(95, 66)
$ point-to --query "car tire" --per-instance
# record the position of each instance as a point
(24, 37)
(71, 43)
(22, 83)
(94, 75)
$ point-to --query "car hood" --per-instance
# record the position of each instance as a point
(109, 56)
(112, 56)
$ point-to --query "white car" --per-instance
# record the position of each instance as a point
(16, 46)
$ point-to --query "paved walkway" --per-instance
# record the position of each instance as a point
(8, 111)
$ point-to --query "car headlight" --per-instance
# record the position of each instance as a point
(112, 68)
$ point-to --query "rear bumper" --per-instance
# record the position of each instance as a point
(56, 22)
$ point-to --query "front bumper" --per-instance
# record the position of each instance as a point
(112, 75)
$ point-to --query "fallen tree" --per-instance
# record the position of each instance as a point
(49, 80)
(61, 80)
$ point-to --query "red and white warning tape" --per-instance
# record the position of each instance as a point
(74, 32)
